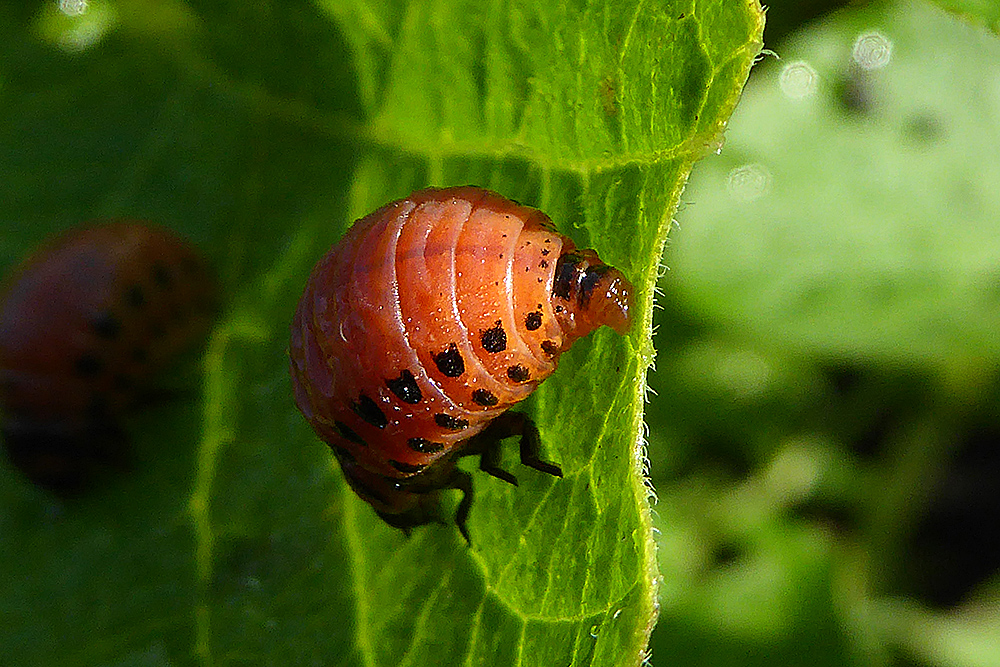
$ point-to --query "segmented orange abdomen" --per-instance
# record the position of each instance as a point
(84, 321)
(435, 314)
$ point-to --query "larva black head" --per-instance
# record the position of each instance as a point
(587, 294)
(63, 456)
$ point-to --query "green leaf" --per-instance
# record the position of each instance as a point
(260, 132)
(985, 12)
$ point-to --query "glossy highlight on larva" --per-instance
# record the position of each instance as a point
(420, 329)
(85, 322)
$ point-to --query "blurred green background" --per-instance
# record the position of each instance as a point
(824, 428)
(824, 435)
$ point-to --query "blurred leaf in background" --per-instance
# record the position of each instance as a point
(260, 130)
(825, 437)
(984, 12)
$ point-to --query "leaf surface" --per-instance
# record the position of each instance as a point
(260, 131)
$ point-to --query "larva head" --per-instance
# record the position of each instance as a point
(588, 294)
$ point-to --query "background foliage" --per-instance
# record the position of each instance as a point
(826, 428)
(259, 130)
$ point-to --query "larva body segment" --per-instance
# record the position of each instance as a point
(432, 317)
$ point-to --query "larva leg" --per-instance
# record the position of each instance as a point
(531, 443)
(507, 425)
(462, 481)
(489, 462)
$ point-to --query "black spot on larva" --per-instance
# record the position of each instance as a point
(106, 325)
(533, 321)
(543, 264)
(140, 355)
(450, 362)
(450, 423)
(368, 410)
(546, 251)
(550, 348)
(348, 433)
(589, 281)
(494, 339)
(135, 297)
(405, 387)
(559, 309)
(162, 277)
(484, 398)
(406, 467)
(87, 365)
(518, 373)
(424, 446)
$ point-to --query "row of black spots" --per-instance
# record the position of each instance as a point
(106, 327)
(405, 387)
(485, 398)
(136, 295)
(450, 361)
(90, 365)
(518, 373)
(348, 433)
(533, 320)
(494, 339)
(424, 446)
(369, 411)
(451, 423)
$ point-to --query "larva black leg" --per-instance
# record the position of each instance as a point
(517, 423)
(463, 482)
(531, 443)
(489, 462)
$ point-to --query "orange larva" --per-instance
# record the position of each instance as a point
(424, 325)
(84, 322)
